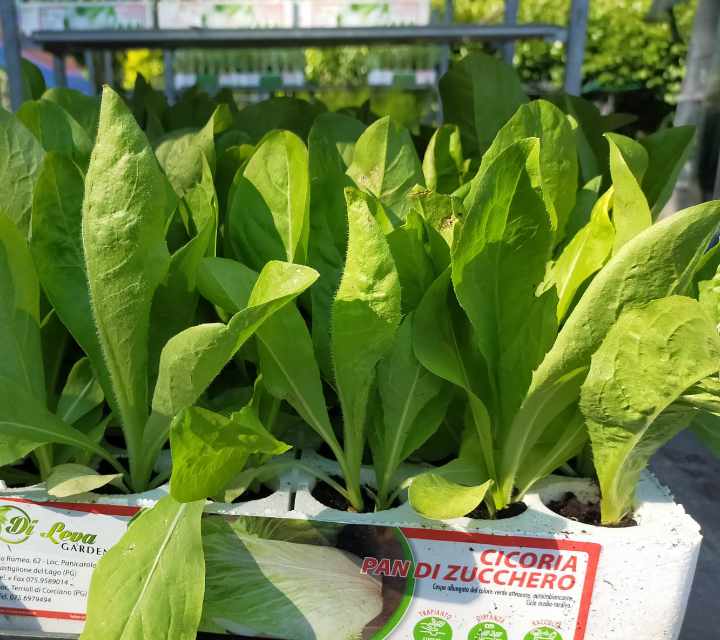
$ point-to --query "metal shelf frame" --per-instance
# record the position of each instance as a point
(60, 43)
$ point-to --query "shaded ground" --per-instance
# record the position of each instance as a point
(693, 475)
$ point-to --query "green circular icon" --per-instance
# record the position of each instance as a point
(433, 628)
(487, 631)
(543, 633)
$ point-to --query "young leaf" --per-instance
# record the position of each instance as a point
(56, 245)
(152, 580)
(125, 210)
(181, 153)
(385, 164)
(558, 169)
(20, 159)
(443, 343)
(407, 390)
(648, 359)
(81, 394)
(365, 315)
(83, 108)
(193, 358)
(202, 205)
(628, 164)
(480, 94)
(435, 496)
(331, 148)
(414, 264)
(454, 489)
(278, 172)
(72, 479)
(176, 299)
(667, 149)
(443, 164)
(56, 130)
(586, 254)
(209, 450)
(514, 327)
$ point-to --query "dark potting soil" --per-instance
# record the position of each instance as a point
(573, 508)
(482, 513)
(255, 494)
(327, 495)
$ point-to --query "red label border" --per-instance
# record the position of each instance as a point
(592, 549)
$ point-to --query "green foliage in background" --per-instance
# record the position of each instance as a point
(624, 49)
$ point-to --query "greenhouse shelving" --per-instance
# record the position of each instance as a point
(60, 43)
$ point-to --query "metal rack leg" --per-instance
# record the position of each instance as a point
(108, 68)
(511, 16)
(59, 71)
(169, 75)
(13, 55)
(575, 45)
(92, 72)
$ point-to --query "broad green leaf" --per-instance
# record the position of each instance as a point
(290, 371)
(480, 94)
(667, 149)
(181, 153)
(406, 390)
(365, 315)
(193, 358)
(33, 80)
(81, 394)
(56, 245)
(209, 450)
(434, 496)
(83, 108)
(314, 592)
(72, 479)
(558, 166)
(20, 159)
(659, 262)
(514, 327)
(278, 173)
(628, 164)
(385, 165)
(291, 114)
(441, 213)
(452, 490)
(56, 130)
(586, 254)
(20, 348)
(152, 579)
(125, 210)
(648, 359)
(413, 263)
(443, 164)
(331, 147)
